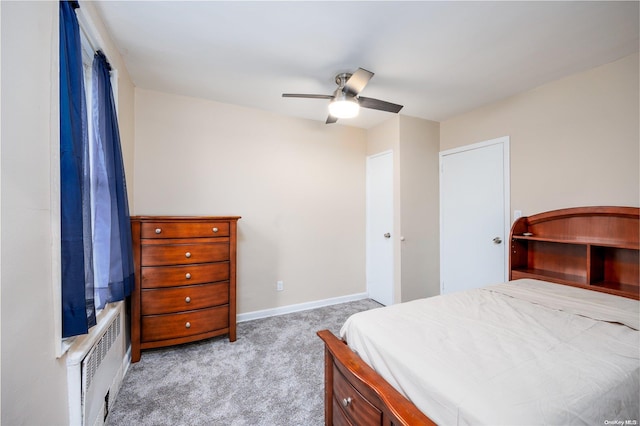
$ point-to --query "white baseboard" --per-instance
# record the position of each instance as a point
(299, 307)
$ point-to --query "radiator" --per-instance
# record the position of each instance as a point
(95, 367)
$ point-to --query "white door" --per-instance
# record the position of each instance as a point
(474, 215)
(379, 199)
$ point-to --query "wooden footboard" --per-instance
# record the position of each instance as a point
(354, 394)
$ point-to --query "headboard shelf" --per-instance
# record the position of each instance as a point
(617, 287)
(591, 247)
(541, 274)
(599, 242)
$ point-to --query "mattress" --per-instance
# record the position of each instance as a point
(519, 353)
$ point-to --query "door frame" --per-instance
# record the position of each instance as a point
(504, 141)
(393, 221)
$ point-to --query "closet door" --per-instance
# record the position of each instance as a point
(474, 215)
(379, 257)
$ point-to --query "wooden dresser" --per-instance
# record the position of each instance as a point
(185, 280)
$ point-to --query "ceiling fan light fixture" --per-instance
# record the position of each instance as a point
(344, 107)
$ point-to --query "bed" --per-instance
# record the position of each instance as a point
(557, 344)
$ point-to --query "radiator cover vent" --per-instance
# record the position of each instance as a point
(94, 358)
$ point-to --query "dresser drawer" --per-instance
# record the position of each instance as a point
(173, 276)
(178, 299)
(171, 326)
(358, 409)
(179, 254)
(184, 229)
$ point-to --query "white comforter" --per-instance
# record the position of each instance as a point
(520, 353)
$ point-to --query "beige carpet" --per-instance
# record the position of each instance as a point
(272, 375)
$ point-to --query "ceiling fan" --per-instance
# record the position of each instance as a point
(346, 100)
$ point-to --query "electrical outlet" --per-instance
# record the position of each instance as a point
(279, 286)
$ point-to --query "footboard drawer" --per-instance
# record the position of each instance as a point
(357, 408)
(339, 417)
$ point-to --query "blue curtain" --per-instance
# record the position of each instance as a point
(78, 312)
(112, 228)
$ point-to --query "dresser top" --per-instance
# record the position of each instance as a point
(182, 218)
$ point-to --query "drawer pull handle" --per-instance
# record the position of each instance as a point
(215, 229)
(188, 325)
(187, 299)
(187, 255)
(346, 402)
(187, 276)
(158, 230)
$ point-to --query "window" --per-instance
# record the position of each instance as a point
(94, 209)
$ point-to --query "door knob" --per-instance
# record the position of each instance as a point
(387, 235)
(497, 240)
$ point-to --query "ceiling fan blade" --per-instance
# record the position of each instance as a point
(302, 95)
(330, 120)
(357, 81)
(378, 104)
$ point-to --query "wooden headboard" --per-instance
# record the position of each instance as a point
(591, 247)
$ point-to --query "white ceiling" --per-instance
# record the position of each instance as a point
(438, 59)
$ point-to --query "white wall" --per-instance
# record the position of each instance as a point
(33, 379)
(573, 142)
(299, 186)
(419, 206)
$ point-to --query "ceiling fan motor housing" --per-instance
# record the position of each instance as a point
(341, 79)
